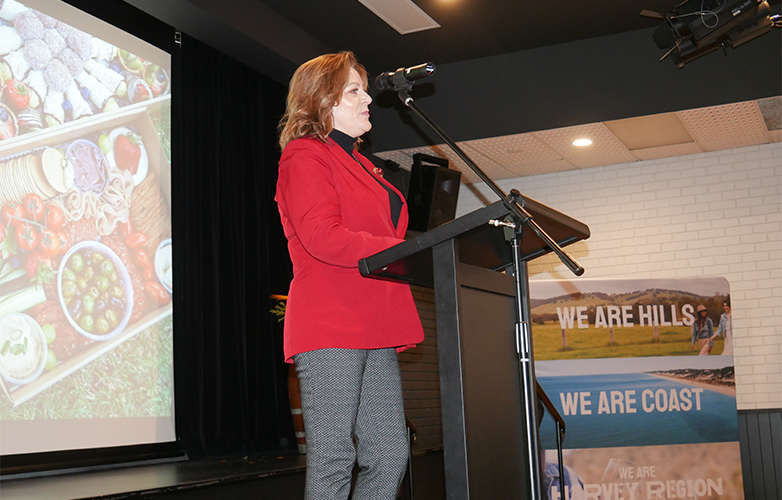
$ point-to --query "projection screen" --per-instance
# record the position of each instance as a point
(86, 350)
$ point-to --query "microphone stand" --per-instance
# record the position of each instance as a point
(521, 219)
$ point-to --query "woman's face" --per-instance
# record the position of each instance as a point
(351, 115)
(727, 308)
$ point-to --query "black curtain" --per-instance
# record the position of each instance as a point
(231, 385)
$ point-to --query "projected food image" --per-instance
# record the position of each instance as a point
(53, 73)
(85, 231)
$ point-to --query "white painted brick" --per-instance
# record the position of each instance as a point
(643, 218)
(766, 208)
(758, 155)
(738, 230)
(701, 164)
(701, 262)
(726, 221)
(736, 194)
(684, 218)
(770, 162)
(671, 210)
(749, 202)
(755, 397)
(747, 239)
(659, 238)
(714, 251)
(766, 367)
(699, 243)
(730, 160)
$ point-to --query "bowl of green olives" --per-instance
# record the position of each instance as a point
(95, 290)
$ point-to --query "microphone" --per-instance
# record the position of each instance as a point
(403, 76)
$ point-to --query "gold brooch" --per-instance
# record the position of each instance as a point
(378, 171)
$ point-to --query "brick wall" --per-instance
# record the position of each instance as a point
(711, 214)
(421, 378)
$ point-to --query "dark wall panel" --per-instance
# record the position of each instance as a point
(760, 436)
(588, 81)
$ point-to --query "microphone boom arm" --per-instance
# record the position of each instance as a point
(520, 214)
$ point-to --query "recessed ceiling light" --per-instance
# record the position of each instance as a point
(402, 15)
(582, 142)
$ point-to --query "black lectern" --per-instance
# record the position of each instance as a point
(487, 433)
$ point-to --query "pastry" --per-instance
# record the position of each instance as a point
(64, 29)
(17, 64)
(108, 77)
(47, 21)
(97, 92)
(29, 120)
(80, 42)
(138, 90)
(36, 81)
(103, 51)
(57, 76)
(72, 61)
(37, 53)
(156, 78)
(9, 40)
(9, 9)
(54, 41)
(28, 25)
(80, 107)
(52, 107)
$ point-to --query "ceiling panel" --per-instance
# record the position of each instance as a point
(726, 127)
(690, 148)
(714, 128)
(516, 150)
(605, 149)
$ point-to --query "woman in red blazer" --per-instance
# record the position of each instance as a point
(343, 331)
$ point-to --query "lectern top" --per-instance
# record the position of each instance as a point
(479, 243)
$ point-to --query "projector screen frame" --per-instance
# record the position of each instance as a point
(165, 38)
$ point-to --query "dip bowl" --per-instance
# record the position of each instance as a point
(23, 349)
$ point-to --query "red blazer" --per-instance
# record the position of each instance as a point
(335, 213)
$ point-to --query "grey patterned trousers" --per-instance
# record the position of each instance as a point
(351, 401)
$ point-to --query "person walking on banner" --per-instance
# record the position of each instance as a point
(343, 331)
(702, 332)
(725, 328)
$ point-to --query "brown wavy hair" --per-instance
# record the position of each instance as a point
(313, 91)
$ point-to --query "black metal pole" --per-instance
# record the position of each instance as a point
(520, 214)
(527, 368)
(560, 464)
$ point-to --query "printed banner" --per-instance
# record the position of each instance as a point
(639, 371)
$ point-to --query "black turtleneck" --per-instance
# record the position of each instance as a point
(346, 142)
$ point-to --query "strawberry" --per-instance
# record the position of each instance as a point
(39, 269)
(127, 152)
(18, 94)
